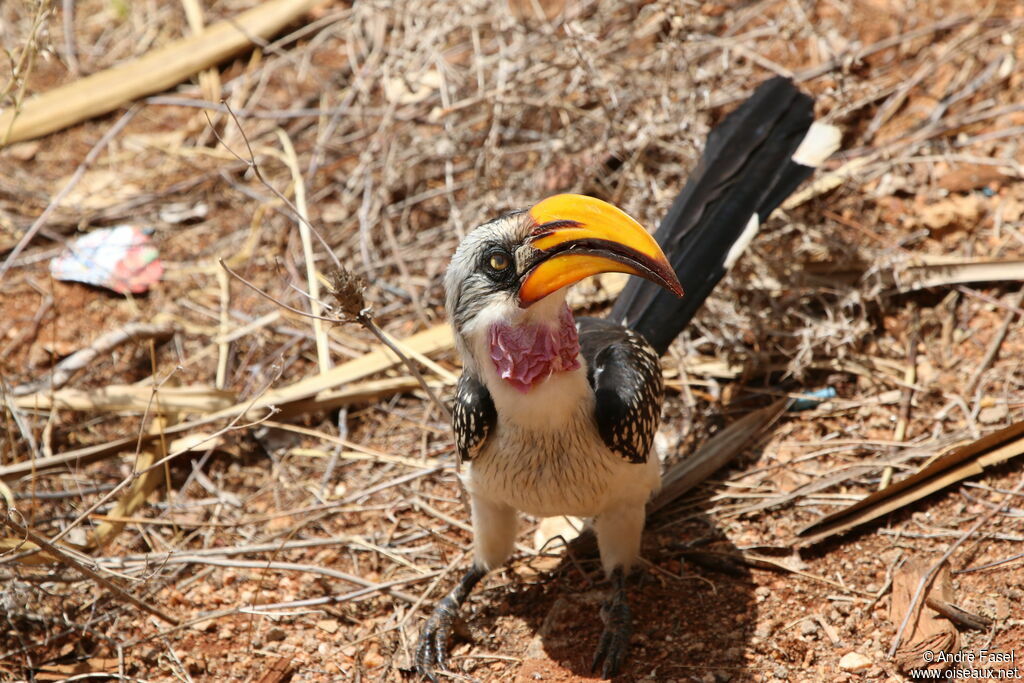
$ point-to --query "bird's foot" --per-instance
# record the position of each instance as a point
(432, 648)
(618, 627)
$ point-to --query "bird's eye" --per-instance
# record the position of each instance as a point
(499, 261)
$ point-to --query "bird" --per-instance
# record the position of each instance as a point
(556, 415)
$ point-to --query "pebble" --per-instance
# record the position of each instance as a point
(993, 414)
(328, 625)
(854, 661)
(809, 627)
(372, 659)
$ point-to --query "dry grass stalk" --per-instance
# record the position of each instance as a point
(21, 69)
(312, 279)
(139, 491)
(713, 455)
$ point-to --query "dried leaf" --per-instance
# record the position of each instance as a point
(411, 90)
(536, 9)
(959, 209)
(279, 670)
(928, 631)
(98, 189)
(966, 177)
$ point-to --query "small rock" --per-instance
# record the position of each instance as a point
(854, 661)
(781, 673)
(993, 414)
(23, 151)
(328, 625)
(276, 634)
(372, 659)
(207, 625)
(809, 628)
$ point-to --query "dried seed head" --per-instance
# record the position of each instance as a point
(348, 290)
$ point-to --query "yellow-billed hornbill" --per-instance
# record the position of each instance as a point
(557, 416)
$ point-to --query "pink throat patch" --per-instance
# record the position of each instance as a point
(529, 354)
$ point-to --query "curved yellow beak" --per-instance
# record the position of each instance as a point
(578, 236)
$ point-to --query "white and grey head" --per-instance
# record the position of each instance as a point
(512, 271)
(485, 271)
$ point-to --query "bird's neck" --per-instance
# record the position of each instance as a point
(527, 354)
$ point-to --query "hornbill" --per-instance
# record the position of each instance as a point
(557, 416)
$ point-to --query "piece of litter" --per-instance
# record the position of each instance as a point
(121, 258)
(812, 399)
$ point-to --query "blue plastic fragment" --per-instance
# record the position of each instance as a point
(812, 399)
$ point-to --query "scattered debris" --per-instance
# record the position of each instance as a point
(123, 259)
(955, 466)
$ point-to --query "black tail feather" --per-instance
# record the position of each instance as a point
(746, 169)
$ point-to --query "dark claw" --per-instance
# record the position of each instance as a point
(431, 651)
(432, 648)
(618, 627)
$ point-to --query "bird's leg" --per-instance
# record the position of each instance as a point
(618, 538)
(618, 627)
(494, 535)
(433, 644)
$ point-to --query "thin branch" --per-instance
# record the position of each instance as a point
(284, 566)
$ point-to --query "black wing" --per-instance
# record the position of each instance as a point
(473, 415)
(625, 374)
